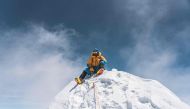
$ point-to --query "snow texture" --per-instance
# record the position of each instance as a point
(117, 90)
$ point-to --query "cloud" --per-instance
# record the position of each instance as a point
(160, 34)
(145, 60)
(37, 63)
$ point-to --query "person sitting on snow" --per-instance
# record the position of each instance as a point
(95, 65)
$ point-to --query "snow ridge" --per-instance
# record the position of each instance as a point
(117, 90)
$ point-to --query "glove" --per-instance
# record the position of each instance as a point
(91, 69)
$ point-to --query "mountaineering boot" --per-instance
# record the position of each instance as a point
(79, 80)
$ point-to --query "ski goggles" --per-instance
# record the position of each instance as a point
(95, 53)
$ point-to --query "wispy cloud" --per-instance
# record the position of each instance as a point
(36, 63)
(156, 54)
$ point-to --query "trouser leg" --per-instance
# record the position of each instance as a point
(82, 76)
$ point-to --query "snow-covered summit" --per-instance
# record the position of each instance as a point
(117, 90)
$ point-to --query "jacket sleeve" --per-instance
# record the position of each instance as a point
(103, 61)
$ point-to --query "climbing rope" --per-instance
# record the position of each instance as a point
(96, 98)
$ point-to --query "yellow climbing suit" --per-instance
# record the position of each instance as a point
(94, 61)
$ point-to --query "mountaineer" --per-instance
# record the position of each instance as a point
(95, 66)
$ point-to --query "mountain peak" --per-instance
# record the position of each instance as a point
(117, 90)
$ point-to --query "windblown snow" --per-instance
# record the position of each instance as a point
(117, 90)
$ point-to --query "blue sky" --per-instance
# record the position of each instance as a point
(44, 44)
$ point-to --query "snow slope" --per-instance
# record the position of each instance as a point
(117, 90)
